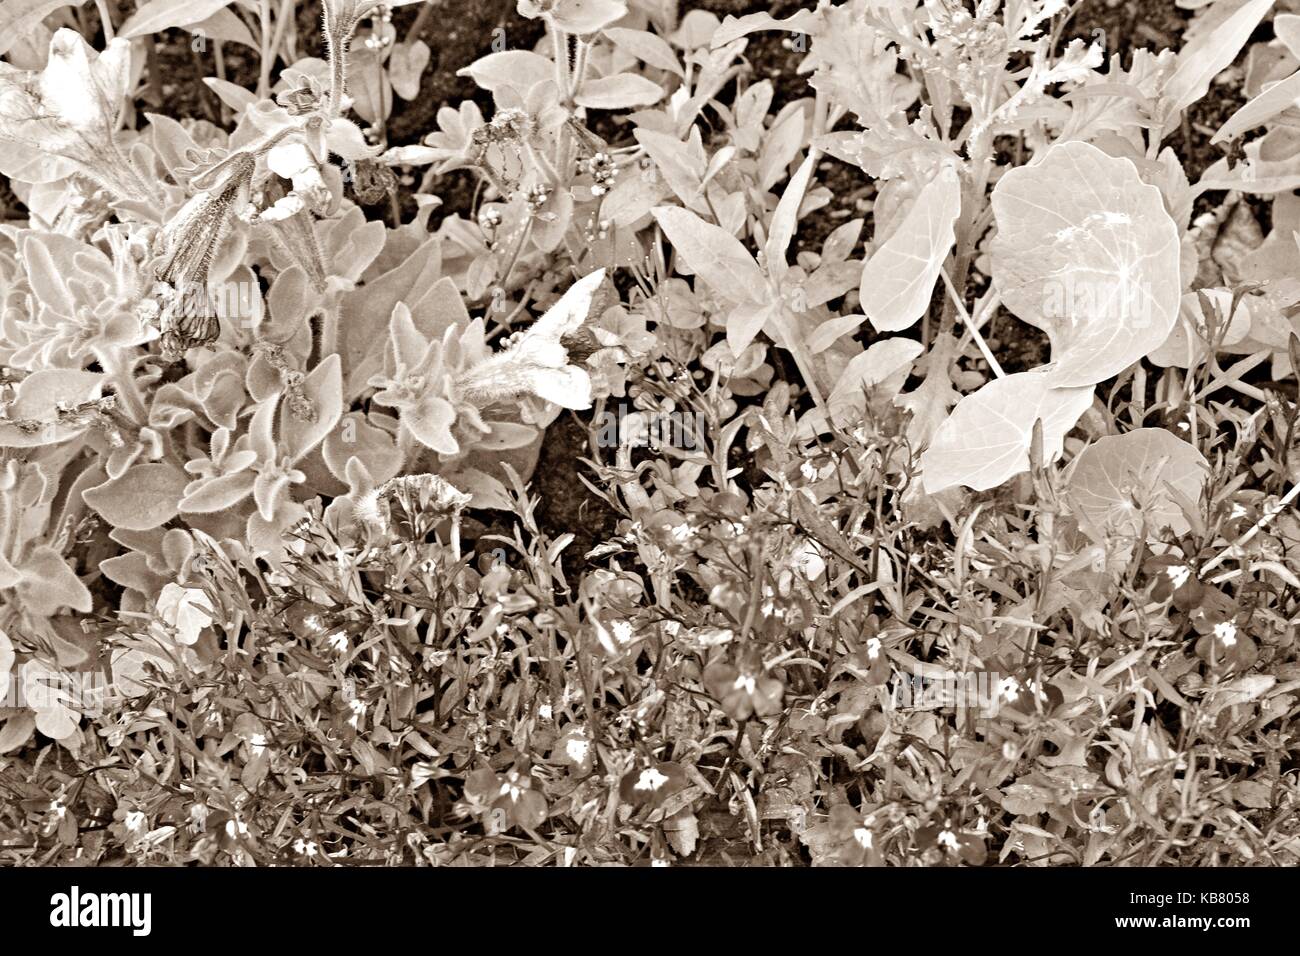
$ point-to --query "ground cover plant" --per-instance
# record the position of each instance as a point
(859, 433)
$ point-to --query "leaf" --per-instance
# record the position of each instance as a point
(682, 830)
(618, 92)
(323, 389)
(986, 439)
(785, 219)
(1209, 53)
(159, 15)
(406, 64)
(1086, 252)
(733, 28)
(38, 398)
(514, 68)
(682, 165)
(885, 362)
(1143, 463)
(714, 254)
(18, 17)
(1278, 97)
(145, 497)
(224, 26)
(898, 279)
(587, 16)
(645, 46)
(49, 584)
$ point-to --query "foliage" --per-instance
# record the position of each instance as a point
(268, 428)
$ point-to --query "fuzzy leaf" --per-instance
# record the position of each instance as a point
(145, 497)
(898, 279)
(323, 388)
(986, 439)
(49, 584)
(38, 398)
(509, 68)
(645, 46)
(18, 17)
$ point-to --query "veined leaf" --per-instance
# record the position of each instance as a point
(1086, 252)
(1143, 464)
(714, 254)
(898, 279)
(986, 439)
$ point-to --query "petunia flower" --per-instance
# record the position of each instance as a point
(63, 118)
(186, 611)
(537, 362)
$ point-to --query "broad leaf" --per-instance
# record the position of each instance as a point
(986, 439)
(1086, 252)
(713, 254)
(1120, 480)
(38, 399)
(17, 17)
(898, 280)
(145, 497)
(619, 92)
(159, 15)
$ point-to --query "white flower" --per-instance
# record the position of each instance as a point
(623, 632)
(864, 837)
(187, 610)
(576, 749)
(537, 362)
(305, 848)
(134, 821)
(650, 779)
(337, 642)
(808, 561)
(873, 647)
(1226, 631)
(744, 682)
(1178, 574)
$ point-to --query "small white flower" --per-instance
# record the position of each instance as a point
(864, 837)
(57, 809)
(650, 779)
(1008, 688)
(744, 682)
(576, 749)
(135, 821)
(1178, 574)
(873, 648)
(305, 848)
(948, 839)
(257, 743)
(623, 632)
(1226, 631)
(236, 828)
(337, 642)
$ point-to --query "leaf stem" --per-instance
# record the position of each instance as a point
(970, 325)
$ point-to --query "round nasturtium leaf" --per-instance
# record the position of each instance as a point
(1121, 481)
(1086, 252)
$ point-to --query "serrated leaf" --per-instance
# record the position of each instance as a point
(1086, 252)
(898, 280)
(986, 439)
(1145, 462)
